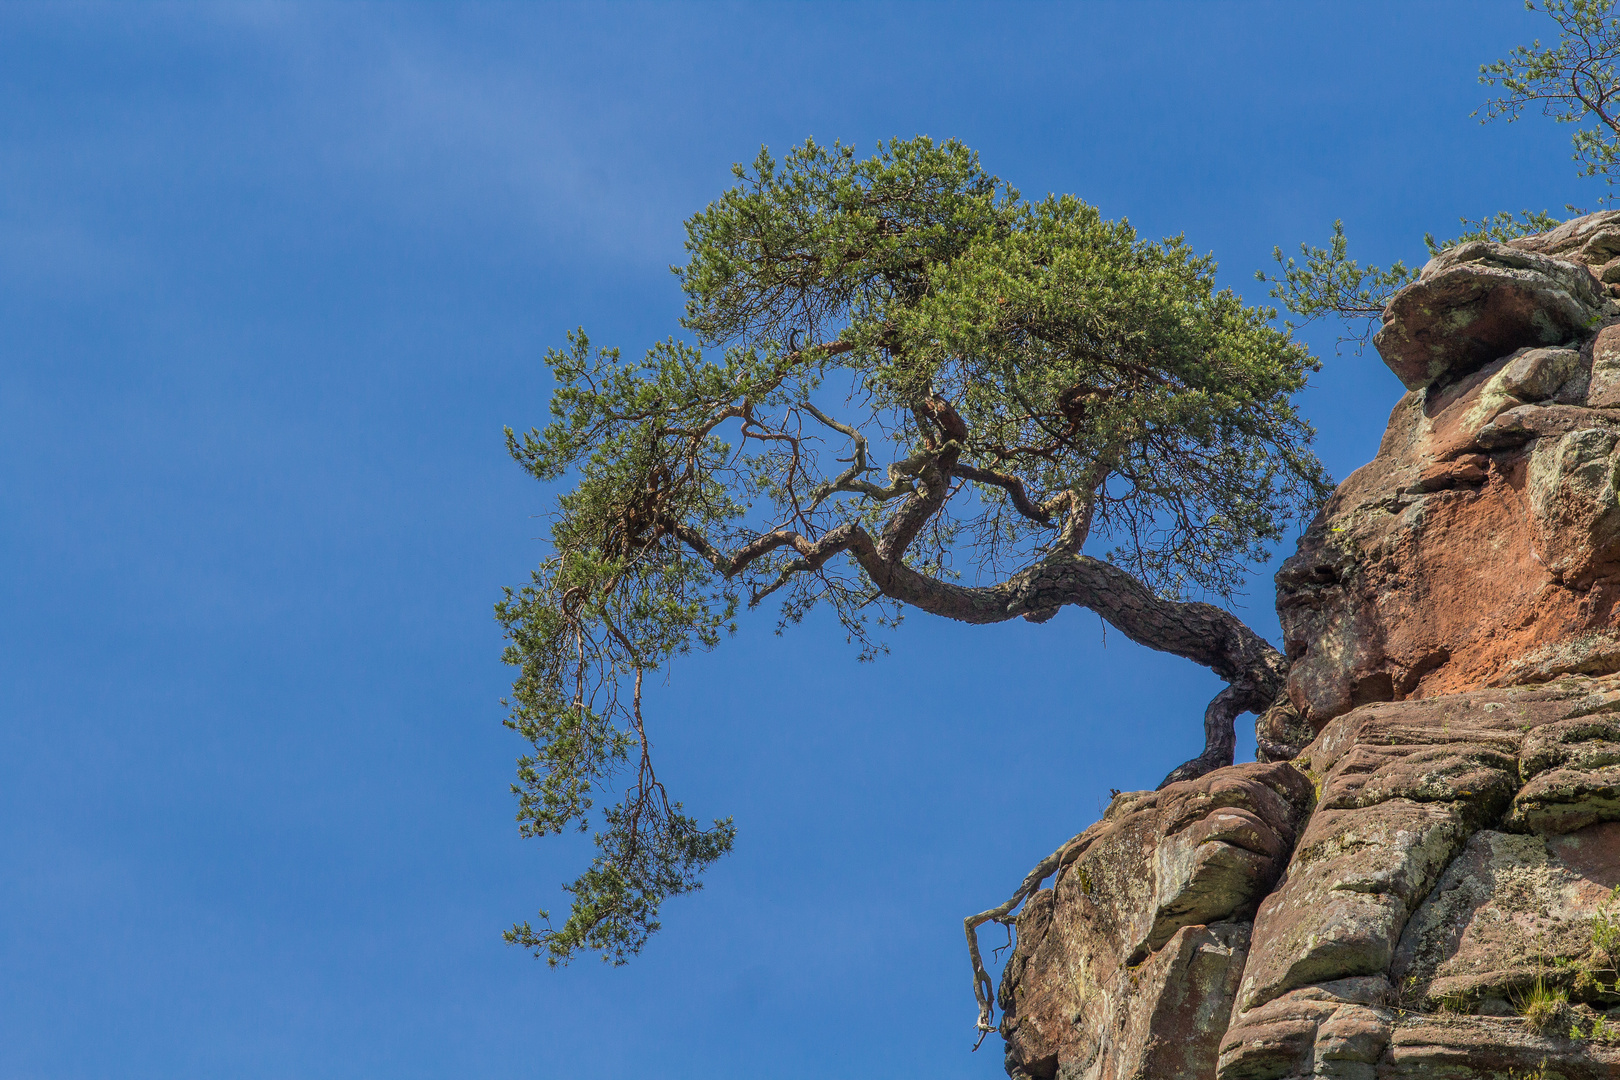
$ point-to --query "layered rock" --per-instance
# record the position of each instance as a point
(1424, 891)
(1442, 855)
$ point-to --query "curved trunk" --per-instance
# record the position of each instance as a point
(1202, 633)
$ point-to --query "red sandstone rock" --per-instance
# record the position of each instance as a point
(1447, 563)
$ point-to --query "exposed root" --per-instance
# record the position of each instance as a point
(1220, 731)
(983, 989)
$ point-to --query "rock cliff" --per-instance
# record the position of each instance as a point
(1421, 878)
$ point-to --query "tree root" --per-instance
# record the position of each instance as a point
(1220, 731)
(1220, 738)
(983, 989)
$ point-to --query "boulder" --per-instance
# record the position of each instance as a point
(1593, 240)
(1480, 301)
(1338, 1029)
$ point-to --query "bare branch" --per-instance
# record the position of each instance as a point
(983, 988)
(1202, 633)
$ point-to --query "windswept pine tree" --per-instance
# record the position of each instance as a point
(903, 387)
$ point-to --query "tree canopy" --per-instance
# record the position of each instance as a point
(905, 386)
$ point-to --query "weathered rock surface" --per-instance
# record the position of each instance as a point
(1480, 301)
(1480, 547)
(1510, 905)
(1128, 965)
(1431, 887)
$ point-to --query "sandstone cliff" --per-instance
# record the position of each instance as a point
(1420, 881)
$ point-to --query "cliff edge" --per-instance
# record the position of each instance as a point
(1420, 879)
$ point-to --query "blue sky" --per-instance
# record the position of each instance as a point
(272, 280)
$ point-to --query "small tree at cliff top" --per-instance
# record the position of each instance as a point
(909, 388)
(1574, 80)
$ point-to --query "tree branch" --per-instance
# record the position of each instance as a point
(933, 476)
(1014, 487)
(983, 989)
